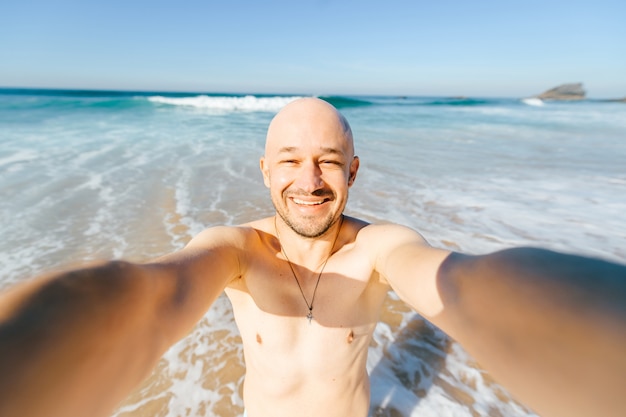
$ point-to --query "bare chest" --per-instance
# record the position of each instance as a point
(272, 300)
(346, 292)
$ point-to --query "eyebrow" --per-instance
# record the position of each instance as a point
(291, 149)
(287, 149)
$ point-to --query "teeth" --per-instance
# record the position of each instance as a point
(307, 203)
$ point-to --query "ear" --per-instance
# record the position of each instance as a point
(354, 167)
(265, 171)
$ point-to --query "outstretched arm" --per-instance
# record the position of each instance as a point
(76, 343)
(550, 327)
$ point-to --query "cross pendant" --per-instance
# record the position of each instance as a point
(310, 316)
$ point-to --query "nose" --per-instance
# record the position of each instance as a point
(310, 177)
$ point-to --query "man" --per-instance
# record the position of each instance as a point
(307, 286)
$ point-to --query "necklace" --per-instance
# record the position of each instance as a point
(293, 272)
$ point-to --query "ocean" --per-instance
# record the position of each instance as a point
(88, 175)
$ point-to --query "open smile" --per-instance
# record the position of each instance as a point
(301, 202)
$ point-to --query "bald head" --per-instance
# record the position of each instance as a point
(311, 117)
(309, 165)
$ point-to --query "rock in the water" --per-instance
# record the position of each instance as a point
(573, 91)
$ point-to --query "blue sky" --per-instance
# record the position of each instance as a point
(473, 48)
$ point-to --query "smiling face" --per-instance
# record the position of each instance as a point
(309, 165)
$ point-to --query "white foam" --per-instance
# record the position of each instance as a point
(23, 155)
(185, 210)
(187, 368)
(227, 104)
(533, 101)
(423, 373)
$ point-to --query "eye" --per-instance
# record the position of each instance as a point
(331, 162)
(288, 162)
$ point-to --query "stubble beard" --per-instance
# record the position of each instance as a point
(309, 227)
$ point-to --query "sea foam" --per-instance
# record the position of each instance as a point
(226, 103)
(532, 101)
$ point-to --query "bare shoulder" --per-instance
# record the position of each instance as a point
(221, 247)
(221, 236)
(392, 231)
(384, 239)
(235, 237)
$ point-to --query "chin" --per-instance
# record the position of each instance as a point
(311, 227)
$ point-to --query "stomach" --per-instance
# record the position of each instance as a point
(306, 395)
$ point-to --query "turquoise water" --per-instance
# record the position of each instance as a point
(96, 175)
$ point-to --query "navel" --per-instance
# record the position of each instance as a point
(258, 339)
(350, 337)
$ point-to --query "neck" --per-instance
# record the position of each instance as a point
(307, 251)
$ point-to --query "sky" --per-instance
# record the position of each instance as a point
(391, 47)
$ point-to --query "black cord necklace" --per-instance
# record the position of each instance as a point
(309, 306)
